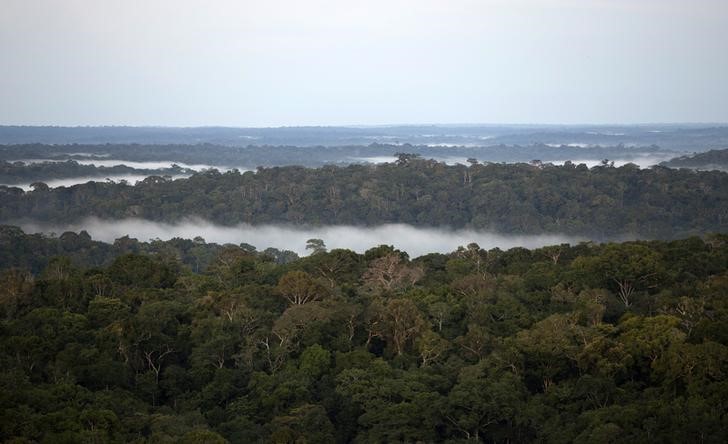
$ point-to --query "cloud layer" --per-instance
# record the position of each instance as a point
(332, 62)
(415, 241)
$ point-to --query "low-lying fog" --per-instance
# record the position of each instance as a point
(449, 160)
(642, 160)
(150, 165)
(144, 165)
(415, 241)
(70, 181)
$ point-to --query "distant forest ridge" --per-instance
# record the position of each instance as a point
(19, 173)
(675, 137)
(710, 160)
(251, 156)
(601, 202)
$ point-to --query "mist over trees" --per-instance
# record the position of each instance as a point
(671, 137)
(418, 283)
(191, 341)
(252, 156)
(600, 202)
(20, 173)
(710, 160)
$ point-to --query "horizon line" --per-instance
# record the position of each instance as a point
(366, 126)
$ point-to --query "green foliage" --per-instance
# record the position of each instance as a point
(709, 160)
(602, 202)
(475, 345)
(21, 173)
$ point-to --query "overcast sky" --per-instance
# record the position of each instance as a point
(339, 62)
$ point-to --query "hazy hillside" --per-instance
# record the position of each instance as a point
(600, 202)
(710, 160)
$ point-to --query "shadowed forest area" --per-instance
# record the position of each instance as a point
(183, 341)
(602, 202)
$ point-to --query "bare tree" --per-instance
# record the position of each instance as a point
(388, 273)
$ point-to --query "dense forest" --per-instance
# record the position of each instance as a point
(709, 160)
(602, 202)
(252, 156)
(196, 342)
(21, 172)
(332, 277)
(34, 251)
(671, 137)
(587, 343)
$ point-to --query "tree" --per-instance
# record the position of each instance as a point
(316, 246)
(288, 329)
(40, 187)
(482, 399)
(551, 347)
(315, 361)
(16, 287)
(431, 347)
(216, 341)
(202, 436)
(298, 288)
(142, 271)
(395, 405)
(389, 273)
(403, 322)
(628, 268)
(476, 343)
(651, 337)
(307, 423)
(405, 158)
(155, 334)
(337, 266)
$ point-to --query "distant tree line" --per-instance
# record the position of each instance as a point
(252, 156)
(709, 160)
(601, 202)
(23, 173)
(634, 137)
(33, 251)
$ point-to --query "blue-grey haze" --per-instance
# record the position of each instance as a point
(342, 62)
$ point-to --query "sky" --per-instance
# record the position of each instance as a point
(340, 62)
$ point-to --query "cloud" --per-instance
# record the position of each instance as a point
(415, 241)
(297, 62)
(68, 182)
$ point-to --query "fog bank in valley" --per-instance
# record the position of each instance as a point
(132, 179)
(144, 165)
(415, 241)
(641, 160)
